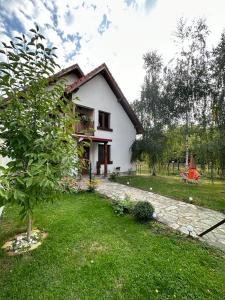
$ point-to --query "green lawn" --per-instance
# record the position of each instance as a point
(91, 253)
(207, 194)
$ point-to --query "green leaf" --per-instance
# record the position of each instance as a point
(16, 194)
(4, 44)
(3, 194)
(23, 213)
(18, 38)
(6, 72)
(24, 38)
(29, 182)
(19, 180)
(5, 79)
(12, 44)
(39, 45)
(41, 36)
(31, 53)
(20, 45)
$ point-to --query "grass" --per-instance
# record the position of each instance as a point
(206, 194)
(91, 253)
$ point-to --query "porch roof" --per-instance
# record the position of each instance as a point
(93, 139)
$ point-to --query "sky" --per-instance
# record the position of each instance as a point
(116, 32)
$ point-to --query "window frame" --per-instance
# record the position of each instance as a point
(103, 121)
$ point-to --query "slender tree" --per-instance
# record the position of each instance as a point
(218, 95)
(35, 125)
(150, 111)
(191, 87)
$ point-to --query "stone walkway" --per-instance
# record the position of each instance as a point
(176, 214)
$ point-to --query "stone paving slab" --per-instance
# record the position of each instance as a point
(176, 214)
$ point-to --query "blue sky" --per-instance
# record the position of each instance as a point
(117, 32)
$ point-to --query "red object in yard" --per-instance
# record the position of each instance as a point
(193, 173)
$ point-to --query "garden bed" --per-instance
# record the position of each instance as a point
(20, 244)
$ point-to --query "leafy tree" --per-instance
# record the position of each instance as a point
(218, 95)
(150, 110)
(169, 101)
(185, 103)
(175, 145)
(190, 79)
(35, 125)
(150, 147)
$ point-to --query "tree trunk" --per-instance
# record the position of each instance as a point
(168, 168)
(153, 170)
(212, 179)
(29, 226)
(187, 153)
(203, 166)
(187, 143)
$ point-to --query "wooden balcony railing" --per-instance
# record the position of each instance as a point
(87, 129)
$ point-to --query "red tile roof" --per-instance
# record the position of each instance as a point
(74, 68)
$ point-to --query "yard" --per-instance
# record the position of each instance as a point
(206, 194)
(91, 253)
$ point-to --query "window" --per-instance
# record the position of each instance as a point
(101, 156)
(104, 121)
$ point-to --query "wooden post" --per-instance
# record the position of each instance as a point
(90, 170)
(74, 123)
(105, 158)
(212, 228)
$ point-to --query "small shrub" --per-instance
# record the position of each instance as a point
(92, 185)
(143, 211)
(113, 176)
(70, 184)
(122, 207)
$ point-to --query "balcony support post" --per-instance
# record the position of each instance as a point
(105, 158)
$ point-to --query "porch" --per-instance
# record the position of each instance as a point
(97, 156)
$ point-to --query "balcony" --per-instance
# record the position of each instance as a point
(86, 123)
(85, 128)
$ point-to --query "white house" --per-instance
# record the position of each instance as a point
(104, 108)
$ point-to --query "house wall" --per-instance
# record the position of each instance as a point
(97, 94)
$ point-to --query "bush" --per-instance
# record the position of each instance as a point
(70, 184)
(122, 207)
(113, 176)
(92, 185)
(143, 211)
